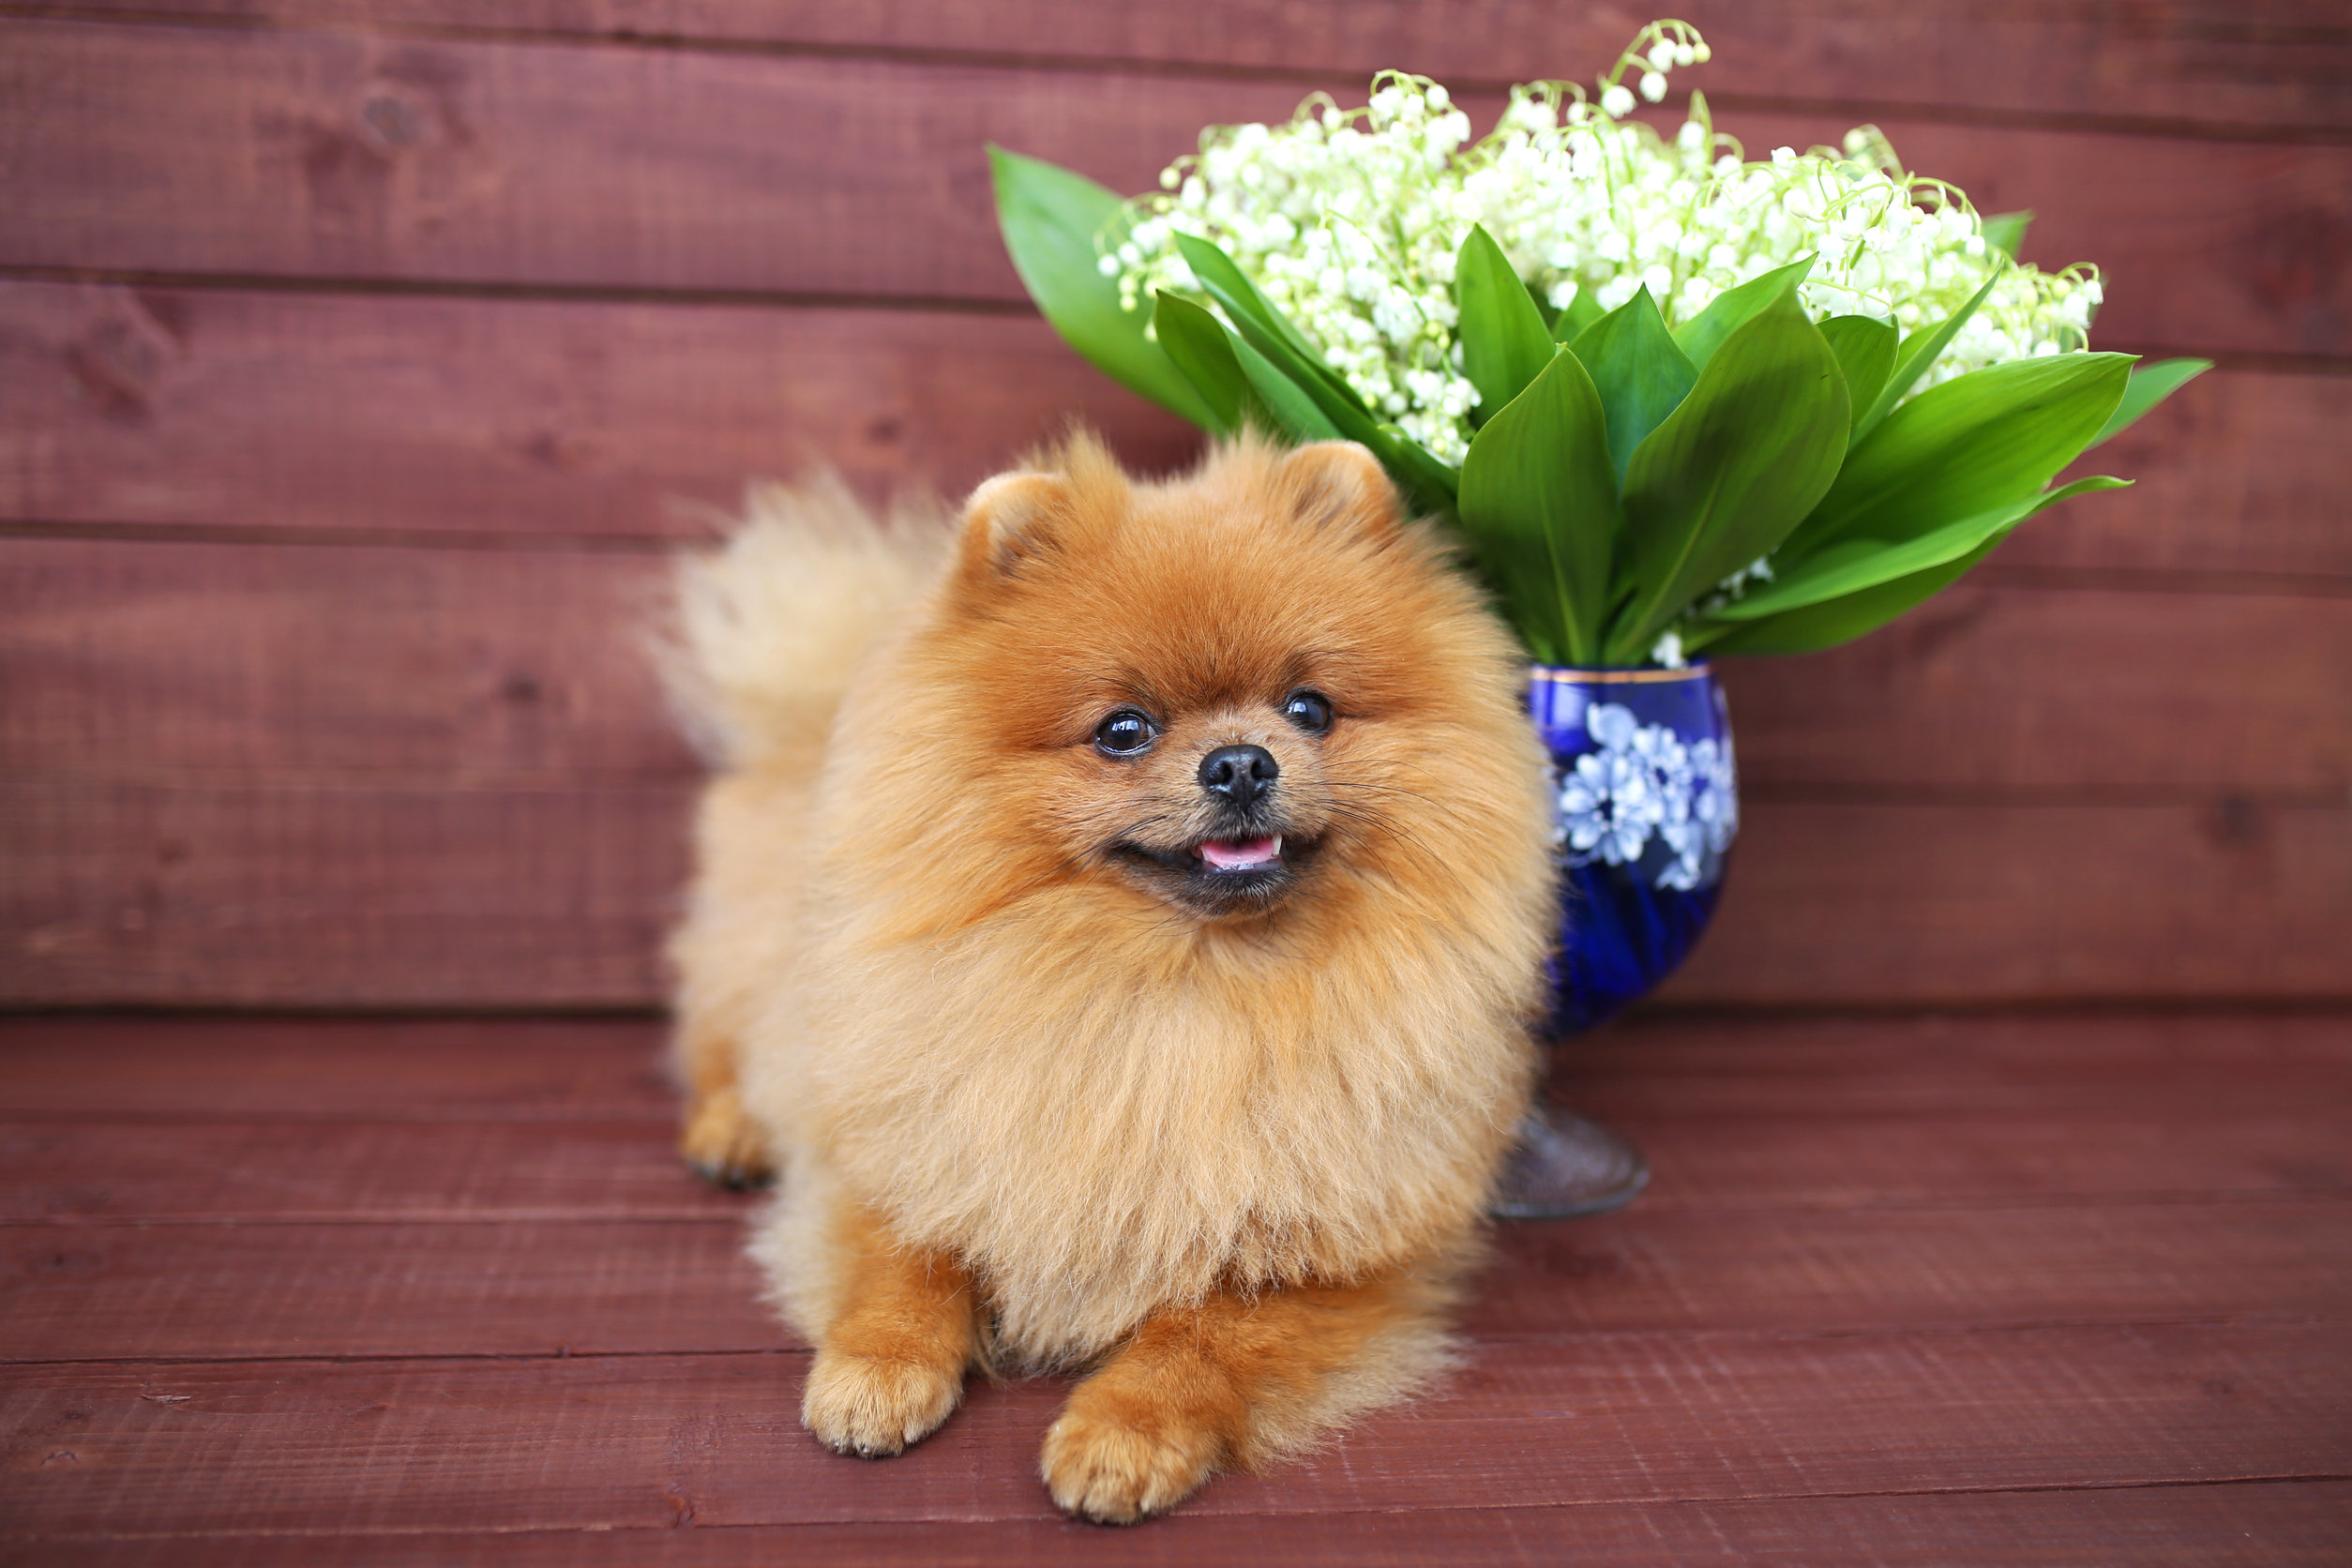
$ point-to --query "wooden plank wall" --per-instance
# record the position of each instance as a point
(359, 363)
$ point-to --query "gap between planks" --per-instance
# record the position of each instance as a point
(1851, 107)
(2297, 1520)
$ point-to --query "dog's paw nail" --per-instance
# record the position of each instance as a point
(721, 1146)
(732, 1178)
(875, 1409)
(1099, 1469)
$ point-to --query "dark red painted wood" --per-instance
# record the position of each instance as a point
(499, 418)
(237, 409)
(644, 1442)
(72, 1172)
(513, 1287)
(2282, 63)
(352, 157)
(1976, 1354)
(2274, 1525)
(175, 662)
(356, 892)
(1815, 1067)
(282, 1068)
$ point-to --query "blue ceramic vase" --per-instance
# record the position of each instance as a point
(1646, 804)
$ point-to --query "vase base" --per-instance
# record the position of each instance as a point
(1566, 1166)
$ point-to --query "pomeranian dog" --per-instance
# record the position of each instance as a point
(1117, 923)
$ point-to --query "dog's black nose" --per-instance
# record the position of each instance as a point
(1239, 773)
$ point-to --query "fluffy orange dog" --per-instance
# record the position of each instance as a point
(1120, 935)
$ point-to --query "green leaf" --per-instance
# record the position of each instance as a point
(1543, 306)
(2006, 231)
(1204, 350)
(1918, 351)
(1336, 413)
(1308, 397)
(1051, 218)
(1965, 446)
(1539, 508)
(1580, 313)
(1826, 626)
(1433, 483)
(1857, 564)
(2149, 384)
(1708, 331)
(1295, 412)
(1504, 345)
(1831, 622)
(1641, 375)
(1730, 471)
(1225, 283)
(1865, 352)
(1292, 379)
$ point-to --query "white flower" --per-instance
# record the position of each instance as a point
(1642, 785)
(1653, 85)
(1349, 222)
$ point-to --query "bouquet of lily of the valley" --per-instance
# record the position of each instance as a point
(1674, 401)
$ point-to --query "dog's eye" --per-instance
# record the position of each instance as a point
(1125, 732)
(1309, 710)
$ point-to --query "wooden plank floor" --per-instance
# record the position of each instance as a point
(2055, 1288)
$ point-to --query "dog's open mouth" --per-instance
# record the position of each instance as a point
(1219, 876)
(1234, 856)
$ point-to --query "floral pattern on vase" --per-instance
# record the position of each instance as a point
(1646, 807)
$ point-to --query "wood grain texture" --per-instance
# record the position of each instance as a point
(338, 1068)
(239, 409)
(76, 1173)
(2027, 903)
(1623, 1387)
(2281, 63)
(351, 893)
(484, 418)
(541, 1286)
(2011, 688)
(2235, 473)
(116, 1172)
(2009, 1067)
(2274, 1525)
(1654, 1064)
(170, 662)
(365, 893)
(337, 156)
(646, 1441)
(304, 154)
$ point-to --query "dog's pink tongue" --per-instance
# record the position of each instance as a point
(1235, 854)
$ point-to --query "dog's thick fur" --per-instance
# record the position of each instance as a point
(1032, 1104)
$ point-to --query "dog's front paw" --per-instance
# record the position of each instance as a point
(1116, 1466)
(721, 1143)
(874, 1407)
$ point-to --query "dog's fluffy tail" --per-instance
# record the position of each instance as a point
(769, 628)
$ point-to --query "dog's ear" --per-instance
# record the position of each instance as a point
(1339, 484)
(1010, 522)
